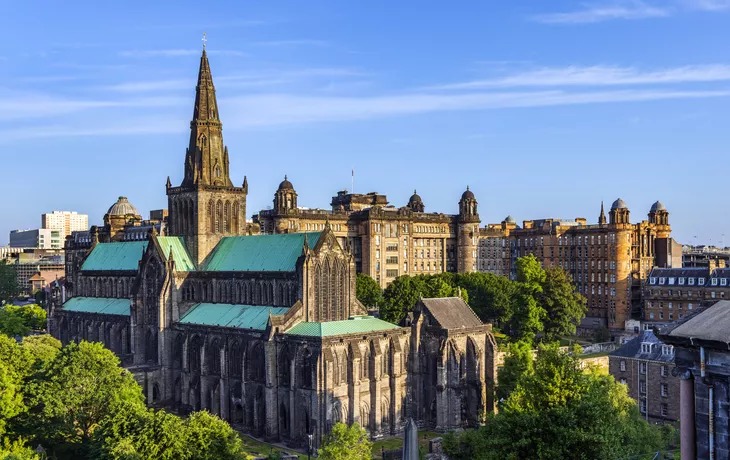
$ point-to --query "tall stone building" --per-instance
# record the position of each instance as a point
(386, 241)
(265, 330)
(608, 261)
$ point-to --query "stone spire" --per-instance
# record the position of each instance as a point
(206, 159)
(602, 216)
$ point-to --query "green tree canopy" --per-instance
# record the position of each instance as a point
(9, 287)
(74, 392)
(564, 306)
(20, 320)
(517, 362)
(558, 410)
(346, 443)
(368, 291)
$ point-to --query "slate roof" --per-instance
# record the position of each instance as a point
(711, 324)
(632, 349)
(260, 253)
(690, 272)
(353, 325)
(99, 305)
(115, 256)
(230, 315)
(451, 313)
(183, 262)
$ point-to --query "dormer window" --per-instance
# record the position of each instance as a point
(671, 280)
(701, 281)
(652, 280)
(681, 281)
(691, 281)
(662, 280)
(714, 281)
(667, 350)
(723, 282)
(646, 347)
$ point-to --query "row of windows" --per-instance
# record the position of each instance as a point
(570, 241)
(680, 281)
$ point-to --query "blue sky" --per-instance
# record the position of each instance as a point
(543, 108)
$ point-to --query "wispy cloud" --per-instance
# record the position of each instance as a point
(708, 5)
(598, 76)
(178, 52)
(293, 43)
(278, 109)
(595, 12)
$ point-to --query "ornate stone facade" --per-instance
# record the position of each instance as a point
(265, 330)
(386, 241)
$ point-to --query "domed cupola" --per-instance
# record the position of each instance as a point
(122, 208)
(619, 213)
(658, 214)
(468, 207)
(285, 198)
(415, 203)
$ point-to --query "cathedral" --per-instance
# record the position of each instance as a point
(263, 330)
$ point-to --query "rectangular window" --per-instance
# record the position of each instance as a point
(642, 368)
(391, 273)
(664, 389)
(622, 381)
(622, 364)
(664, 371)
(665, 410)
(642, 387)
(642, 406)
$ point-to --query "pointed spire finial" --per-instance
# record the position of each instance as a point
(414, 192)
(467, 188)
(285, 178)
(204, 40)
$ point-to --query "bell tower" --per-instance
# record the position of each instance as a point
(206, 206)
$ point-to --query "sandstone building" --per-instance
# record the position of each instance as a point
(386, 241)
(608, 261)
(265, 330)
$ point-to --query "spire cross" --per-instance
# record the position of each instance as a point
(204, 40)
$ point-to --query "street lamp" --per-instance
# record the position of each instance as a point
(309, 450)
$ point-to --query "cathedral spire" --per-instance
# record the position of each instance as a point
(206, 161)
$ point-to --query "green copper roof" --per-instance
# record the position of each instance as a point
(259, 253)
(101, 305)
(354, 325)
(115, 256)
(183, 262)
(229, 315)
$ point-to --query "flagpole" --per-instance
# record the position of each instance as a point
(352, 190)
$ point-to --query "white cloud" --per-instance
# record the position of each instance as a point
(278, 109)
(708, 5)
(598, 76)
(593, 12)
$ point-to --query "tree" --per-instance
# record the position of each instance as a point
(74, 392)
(517, 362)
(563, 305)
(346, 443)
(558, 410)
(490, 296)
(11, 324)
(400, 297)
(11, 396)
(210, 438)
(9, 287)
(368, 291)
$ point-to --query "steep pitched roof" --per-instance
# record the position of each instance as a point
(711, 324)
(176, 244)
(115, 256)
(633, 349)
(354, 325)
(100, 305)
(451, 313)
(230, 315)
(259, 253)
